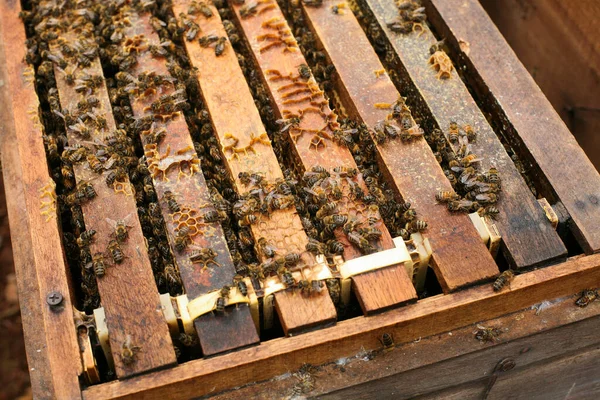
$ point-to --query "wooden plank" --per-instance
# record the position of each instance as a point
(527, 236)
(525, 115)
(180, 173)
(133, 317)
(50, 335)
(428, 317)
(223, 87)
(448, 362)
(376, 290)
(563, 63)
(411, 166)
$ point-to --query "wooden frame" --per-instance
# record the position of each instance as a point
(55, 370)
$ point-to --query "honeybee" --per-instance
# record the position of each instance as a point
(335, 246)
(486, 198)
(187, 340)
(387, 340)
(444, 196)
(356, 239)
(85, 238)
(221, 301)
(265, 248)
(490, 211)
(470, 159)
(409, 214)
(451, 177)
(248, 10)
(98, 265)
(171, 202)
(171, 275)
(246, 237)
(335, 220)
(503, 279)
(115, 251)
(371, 233)
(286, 277)
(205, 256)
(241, 285)
(492, 176)
(314, 246)
(182, 238)
(462, 205)
(470, 132)
(214, 216)
(304, 71)
(220, 46)
(587, 296)
(453, 132)
(115, 175)
(128, 351)
(292, 259)
(416, 225)
(247, 220)
(121, 233)
(484, 334)
(326, 209)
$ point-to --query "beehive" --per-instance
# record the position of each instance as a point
(269, 145)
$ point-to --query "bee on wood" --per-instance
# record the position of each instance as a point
(445, 196)
(203, 255)
(485, 335)
(314, 246)
(587, 296)
(470, 159)
(129, 351)
(304, 71)
(115, 175)
(470, 132)
(503, 279)
(453, 132)
(241, 285)
(492, 176)
(283, 187)
(207, 40)
(187, 340)
(171, 275)
(248, 10)
(286, 277)
(363, 244)
(409, 214)
(335, 292)
(86, 238)
(95, 164)
(214, 216)
(247, 220)
(451, 177)
(335, 220)
(462, 205)
(416, 225)
(121, 233)
(115, 251)
(335, 246)
(220, 46)
(171, 202)
(326, 209)
(221, 301)
(265, 248)
(490, 211)
(346, 172)
(371, 233)
(98, 265)
(387, 340)
(182, 239)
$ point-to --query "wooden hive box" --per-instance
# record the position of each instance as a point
(266, 148)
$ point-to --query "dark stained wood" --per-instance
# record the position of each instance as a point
(446, 362)
(235, 117)
(561, 169)
(527, 236)
(412, 166)
(54, 365)
(376, 290)
(183, 176)
(428, 317)
(555, 41)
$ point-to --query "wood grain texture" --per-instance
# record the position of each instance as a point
(412, 166)
(555, 41)
(133, 316)
(451, 362)
(428, 317)
(50, 335)
(561, 169)
(183, 176)
(376, 290)
(225, 92)
(528, 238)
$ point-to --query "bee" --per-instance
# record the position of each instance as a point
(98, 265)
(314, 246)
(248, 10)
(52, 147)
(335, 246)
(247, 220)
(246, 237)
(205, 256)
(128, 351)
(451, 177)
(503, 279)
(171, 275)
(95, 164)
(286, 277)
(221, 301)
(241, 285)
(187, 340)
(335, 220)
(363, 244)
(265, 248)
(171, 202)
(445, 196)
(214, 216)
(326, 209)
(121, 233)
(304, 71)
(75, 154)
(87, 189)
(283, 187)
(453, 132)
(292, 259)
(346, 172)
(462, 205)
(182, 238)
(220, 46)
(486, 198)
(115, 175)
(115, 251)
(416, 225)
(86, 238)
(404, 234)
(207, 40)
(470, 132)
(409, 214)
(387, 340)
(470, 159)
(492, 176)
(587, 296)
(371, 233)
(490, 211)
(484, 334)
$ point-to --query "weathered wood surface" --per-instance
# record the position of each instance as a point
(555, 41)
(236, 118)
(528, 121)
(412, 166)
(181, 174)
(310, 142)
(428, 317)
(528, 238)
(435, 366)
(50, 336)
(131, 316)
